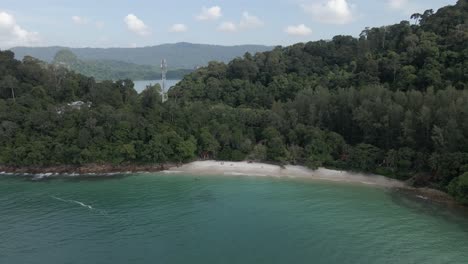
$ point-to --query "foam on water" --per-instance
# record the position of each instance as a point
(73, 201)
(422, 197)
(172, 172)
(245, 174)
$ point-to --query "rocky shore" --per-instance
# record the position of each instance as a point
(86, 169)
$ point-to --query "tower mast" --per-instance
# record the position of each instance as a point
(163, 80)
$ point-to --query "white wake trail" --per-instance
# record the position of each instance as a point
(73, 201)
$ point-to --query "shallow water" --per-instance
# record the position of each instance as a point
(154, 218)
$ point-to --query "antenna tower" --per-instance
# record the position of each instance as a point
(163, 80)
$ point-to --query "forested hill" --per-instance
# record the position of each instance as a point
(179, 55)
(430, 51)
(393, 101)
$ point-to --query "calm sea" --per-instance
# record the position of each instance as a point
(156, 218)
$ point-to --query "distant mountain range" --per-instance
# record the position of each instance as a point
(112, 69)
(179, 55)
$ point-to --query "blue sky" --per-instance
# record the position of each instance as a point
(135, 23)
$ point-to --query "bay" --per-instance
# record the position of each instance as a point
(157, 218)
(141, 85)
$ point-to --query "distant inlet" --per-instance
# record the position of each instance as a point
(141, 85)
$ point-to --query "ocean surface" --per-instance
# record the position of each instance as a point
(141, 85)
(157, 218)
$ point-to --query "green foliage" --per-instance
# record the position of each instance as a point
(447, 166)
(458, 188)
(259, 153)
(365, 157)
(208, 143)
(185, 149)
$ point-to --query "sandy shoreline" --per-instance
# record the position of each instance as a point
(289, 171)
(219, 168)
(228, 168)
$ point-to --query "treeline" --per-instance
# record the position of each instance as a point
(393, 101)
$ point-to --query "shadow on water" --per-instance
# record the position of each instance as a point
(456, 214)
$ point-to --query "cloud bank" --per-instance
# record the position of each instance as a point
(12, 34)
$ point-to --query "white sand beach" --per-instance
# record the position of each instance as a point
(267, 170)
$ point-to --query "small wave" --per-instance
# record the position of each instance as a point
(244, 174)
(330, 179)
(235, 174)
(368, 183)
(42, 176)
(73, 201)
(171, 172)
(422, 197)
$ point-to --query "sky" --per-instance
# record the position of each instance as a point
(138, 23)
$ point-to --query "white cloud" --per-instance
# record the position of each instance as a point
(331, 11)
(12, 34)
(299, 30)
(397, 4)
(249, 21)
(406, 7)
(178, 28)
(227, 27)
(79, 20)
(136, 25)
(212, 13)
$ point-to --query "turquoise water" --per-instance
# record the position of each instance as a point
(154, 218)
